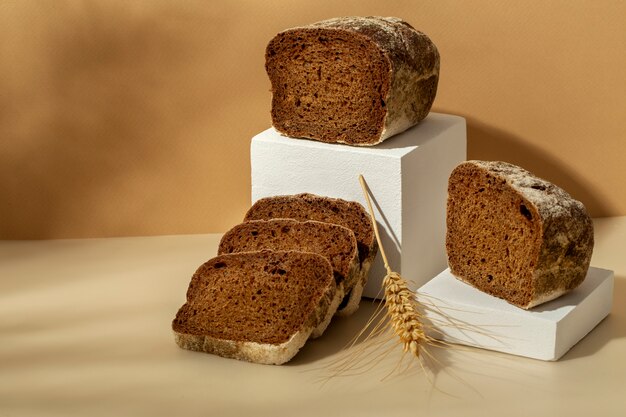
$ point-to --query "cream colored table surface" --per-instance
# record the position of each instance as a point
(85, 331)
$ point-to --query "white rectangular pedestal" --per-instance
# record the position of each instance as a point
(407, 175)
(464, 315)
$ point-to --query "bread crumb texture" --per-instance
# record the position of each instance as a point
(514, 235)
(307, 206)
(335, 243)
(264, 297)
(349, 214)
(352, 80)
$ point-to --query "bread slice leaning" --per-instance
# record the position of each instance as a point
(345, 213)
(336, 243)
(256, 306)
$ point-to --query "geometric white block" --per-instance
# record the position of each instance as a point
(464, 315)
(407, 176)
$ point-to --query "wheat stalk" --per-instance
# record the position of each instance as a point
(400, 301)
(396, 319)
(400, 317)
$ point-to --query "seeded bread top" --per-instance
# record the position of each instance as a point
(264, 297)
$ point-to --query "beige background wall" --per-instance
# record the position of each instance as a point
(134, 117)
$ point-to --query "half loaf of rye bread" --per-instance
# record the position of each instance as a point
(345, 213)
(256, 306)
(335, 243)
(514, 235)
(353, 80)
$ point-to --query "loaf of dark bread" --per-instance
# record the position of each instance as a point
(335, 243)
(348, 214)
(515, 236)
(353, 80)
(256, 306)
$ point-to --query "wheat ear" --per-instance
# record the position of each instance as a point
(400, 300)
(397, 318)
(400, 317)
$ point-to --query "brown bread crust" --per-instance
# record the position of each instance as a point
(514, 235)
(353, 80)
(257, 306)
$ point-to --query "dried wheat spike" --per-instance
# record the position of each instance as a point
(400, 301)
(403, 314)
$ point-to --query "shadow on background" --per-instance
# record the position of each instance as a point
(489, 143)
(87, 121)
(104, 117)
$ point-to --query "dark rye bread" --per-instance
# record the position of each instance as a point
(353, 80)
(345, 213)
(335, 243)
(514, 235)
(256, 306)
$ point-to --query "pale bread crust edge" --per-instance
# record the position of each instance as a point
(332, 309)
(267, 354)
(357, 292)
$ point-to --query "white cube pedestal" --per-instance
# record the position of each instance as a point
(464, 315)
(407, 175)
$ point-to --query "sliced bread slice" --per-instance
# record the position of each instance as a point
(334, 242)
(345, 213)
(514, 235)
(256, 306)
